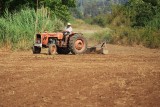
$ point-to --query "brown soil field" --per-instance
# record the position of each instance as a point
(126, 77)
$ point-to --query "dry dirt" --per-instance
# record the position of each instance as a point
(126, 77)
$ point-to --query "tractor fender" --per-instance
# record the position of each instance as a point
(74, 34)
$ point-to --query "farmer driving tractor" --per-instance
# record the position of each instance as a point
(68, 28)
(67, 32)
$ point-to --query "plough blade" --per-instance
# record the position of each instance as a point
(99, 49)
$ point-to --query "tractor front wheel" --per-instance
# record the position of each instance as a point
(36, 50)
(77, 44)
(52, 49)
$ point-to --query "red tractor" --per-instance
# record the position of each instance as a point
(58, 43)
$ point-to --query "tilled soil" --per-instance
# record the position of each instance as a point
(126, 77)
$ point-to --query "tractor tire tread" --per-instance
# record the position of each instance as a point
(72, 41)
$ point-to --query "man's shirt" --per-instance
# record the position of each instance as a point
(69, 29)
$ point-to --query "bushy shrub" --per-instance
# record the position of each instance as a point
(102, 36)
(150, 38)
(100, 20)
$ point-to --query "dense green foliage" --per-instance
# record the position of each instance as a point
(136, 22)
(17, 30)
(60, 8)
(21, 19)
(91, 8)
(142, 11)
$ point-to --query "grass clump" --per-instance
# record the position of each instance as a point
(129, 36)
(17, 30)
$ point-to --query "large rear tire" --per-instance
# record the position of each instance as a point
(52, 49)
(36, 50)
(62, 50)
(77, 44)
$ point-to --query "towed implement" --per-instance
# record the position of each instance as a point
(99, 49)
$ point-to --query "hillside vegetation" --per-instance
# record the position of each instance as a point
(126, 22)
(92, 8)
(136, 22)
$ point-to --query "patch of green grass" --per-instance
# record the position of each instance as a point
(17, 30)
(128, 36)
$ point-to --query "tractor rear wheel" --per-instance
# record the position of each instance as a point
(62, 50)
(77, 44)
(36, 50)
(52, 49)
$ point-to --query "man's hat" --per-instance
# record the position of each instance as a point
(69, 24)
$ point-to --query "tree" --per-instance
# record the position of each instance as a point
(142, 11)
(60, 8)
